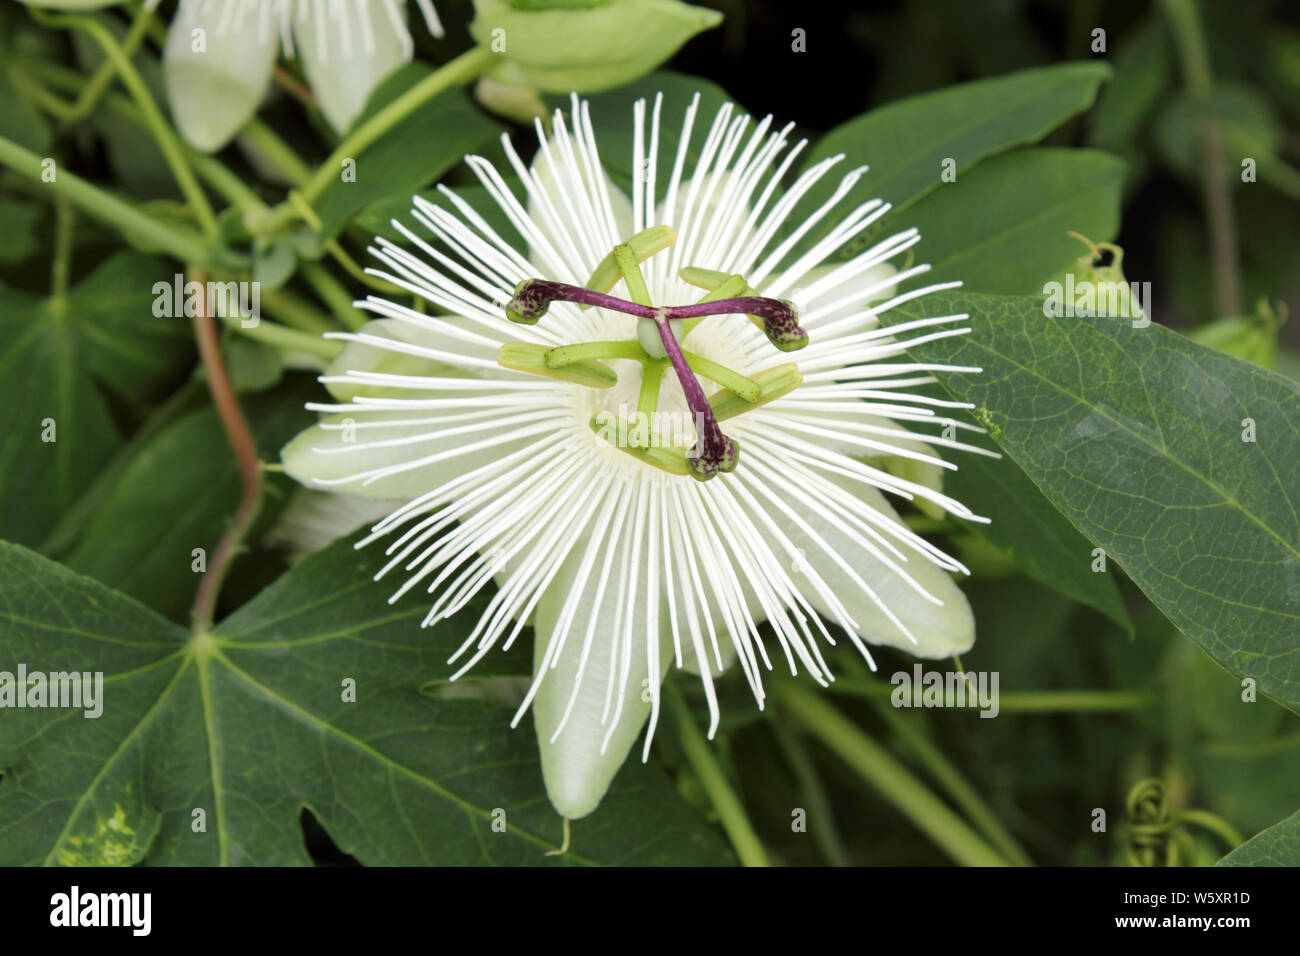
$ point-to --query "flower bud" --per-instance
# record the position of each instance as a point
(1249, 337)
(584, 45)
(216, 79)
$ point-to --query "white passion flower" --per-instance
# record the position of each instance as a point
(219, 56)
(635, 458)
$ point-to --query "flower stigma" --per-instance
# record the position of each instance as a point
(658, 347)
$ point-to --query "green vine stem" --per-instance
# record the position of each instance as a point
(954, 784)
(286, 339)
(232, 188)
(262, 139)
(1229, 834)
(208, 168)
(98, 204)
(1189, 39)
(64, 220)
(885, 774)
(714, 780)
(1252, 749)
(333, 294)
(1156, 837)
(103, 76)
(824, 831)
(1022, 702)
(296, 312)
(459, 71)
(161, 131)
(352, 268)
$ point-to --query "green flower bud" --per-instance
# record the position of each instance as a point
(508, 93)
(1092, 288)
(585, 45)
(1249, 337)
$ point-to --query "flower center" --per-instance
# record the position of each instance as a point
(658, 347)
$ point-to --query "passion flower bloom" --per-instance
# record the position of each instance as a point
(219, 55)
(657, 422)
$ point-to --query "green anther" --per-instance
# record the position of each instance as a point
(631, 270)
(652, 373)
(563, 355)
(666, 458)
(641, 247)
(773, 383)
(720, 285)
(527, 357)
(746, 388)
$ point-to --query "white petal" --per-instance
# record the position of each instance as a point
(425, 338)
(579, 765)
(399, 454)
(843, 307)
(314, 519)
(213, 93)
(940, 631)
(880, 440)
(919, 472)
(346, 49)
(583, 220)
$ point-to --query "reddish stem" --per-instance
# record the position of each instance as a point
(293, 87)
(245, 449)
(534, 296)
(715, 451)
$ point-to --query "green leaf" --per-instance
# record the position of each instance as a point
(1144, 73)
(1250, 128)
(20, 121)
(274, 262)
(414, 153)
(1249, 337)
(1136, 436)
(18, 235)
(1279, 845)
(127, 346)
(1243, 754)
(1038, 538)
(133, 155)
(176, 494)
(1002, 227)
(249, 725)
(55, 428)
(253, 366)
(906, 142)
